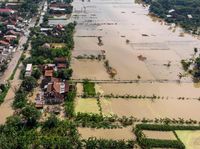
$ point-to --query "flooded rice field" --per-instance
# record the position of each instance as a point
(116, 22)
(84, 72)
(138, 47)
(115, 134)
(166, 90)
(162, 135)
(147, 108)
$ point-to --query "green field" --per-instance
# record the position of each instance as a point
(191, 139)
(86, 105)
(89, 88)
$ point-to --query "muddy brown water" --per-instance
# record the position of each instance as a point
(105, 18)
(146, 108)
(116, 23)
(163, 135)
(115, 134)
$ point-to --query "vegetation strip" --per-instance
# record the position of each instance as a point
(149, 143)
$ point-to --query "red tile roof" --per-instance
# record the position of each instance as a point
(4, 42)
(5, 10)
(48, 73)
(62, 66)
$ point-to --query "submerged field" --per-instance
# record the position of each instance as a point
(115, 134)
(144, 51)
(163, 135)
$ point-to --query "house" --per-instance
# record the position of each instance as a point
(49, 69)
(28, 70)
(48, 73)
(169, 16)
(171, 10)
(2, 59)
(189, 16)
(9, 38)
(4, 43)
(55, 91)
(13, 5)
(6, 11)
(12, 32)
(61, 62)
(46, 29)
(39, 102)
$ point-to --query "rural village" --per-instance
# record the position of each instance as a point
(99, 74)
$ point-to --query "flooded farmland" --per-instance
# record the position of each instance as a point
(138, 47)
(164, 135)
(146, 108)
(115, 134)
(117, 21)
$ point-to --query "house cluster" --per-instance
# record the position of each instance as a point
(59, 8)
(11, 29)
(171, 13)
(55, 31)
(53, 88)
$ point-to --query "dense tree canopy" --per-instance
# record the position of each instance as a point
(182, 8)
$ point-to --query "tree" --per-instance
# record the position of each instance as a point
(195, 50)
(51, 122)
(31, 115)
(14, 121)
(20, 100)
(36, 73)
(67, 73)
(29, 83)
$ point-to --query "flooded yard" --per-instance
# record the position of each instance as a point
(115, 134)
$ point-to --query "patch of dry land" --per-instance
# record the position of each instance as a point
(86, 105)
(162, 135)
(147, 108)
(191, 139)
(115, 134)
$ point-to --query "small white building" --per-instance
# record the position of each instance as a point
(28, 70)
(171, 10)
(189, 16)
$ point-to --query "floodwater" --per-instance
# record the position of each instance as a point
(151, 109)
(166, 90)
(129, 33)
(115, 134)
(117, 21)
(163, 135)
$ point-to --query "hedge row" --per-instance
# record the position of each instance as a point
(166, 127)
(148, 143)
